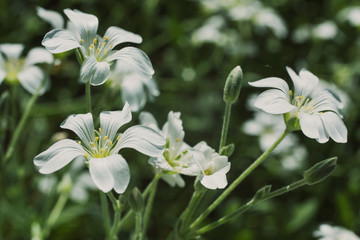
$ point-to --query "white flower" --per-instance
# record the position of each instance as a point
(326, 30)
(100, 148)
(15, 69)
(212, 166)
(98, 51)
(135, 88)
(314, 110)
(176, 158)
(327, 232)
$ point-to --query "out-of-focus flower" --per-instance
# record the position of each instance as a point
(14, 69)
(99, 148)
(314, 110)
(326, 30)
(176, 158)
(328, 232)
(135, 88)
(350, 14)
(98, 51)
(212, 166)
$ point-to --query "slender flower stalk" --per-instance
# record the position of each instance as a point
(237, 181)
(250, 204)
(105, 212)
(225, 127)
(88, 97)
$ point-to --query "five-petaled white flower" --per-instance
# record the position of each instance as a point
(100, 148)
(15, 69)
(314, 110)
(176, 159)
(98, 51)
(327, 232)
(212, 166)
(135, 88)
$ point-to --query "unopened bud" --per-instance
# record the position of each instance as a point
(320, 171)
(227, 150)
(233, 85)
(261, 193)
(136, 201)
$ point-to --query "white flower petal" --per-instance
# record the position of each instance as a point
(310, 124)
(58, 156)
(101, 174)
(148, 119)
(334, 126)
(110, 172)
(173, 180)
(118, 35)
(136, 60)
(31, 79)
(51, 17)
(11, 50)
(133, 92)
(305, 83)
(173, 130)
(38, 55)
(86, 24)
(272, 82)
(82, 125)
(152, 88)
(142, 139)
(95, 72)
(59, 40)
(111, 121)
(273, 101)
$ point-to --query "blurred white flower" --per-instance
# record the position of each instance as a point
(99, 148)
(15, 69)
(351, 14)
(135, 88)
(328, 232)
(212, 166)
(98, 51)
(326, 30)
(314, 110)
(53, 18)
(176, 158)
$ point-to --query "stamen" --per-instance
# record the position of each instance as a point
(118, 137)
(290, 93)
(106, 38)
(86, 155)
(102, 150)
(97, 50)
(96, 139)
(95, 40)
(92, 144)
(105, 138)
(79, 142)
(110, 143)
(99, 130)
(103, 44)
(82, 40)
(177, 139)
(91, 46)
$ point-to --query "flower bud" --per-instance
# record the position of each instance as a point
(320, 171)
(261, 193)
(136, 201)
(227, 150)
(233, 85)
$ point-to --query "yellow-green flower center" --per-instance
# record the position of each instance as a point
(12, 68)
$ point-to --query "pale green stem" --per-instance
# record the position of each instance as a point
(249, 204)
(55, 213)
(150, 202)
(117, 209)
(237, 181)
(126, 218)
(88, 96)
(225, 127)
(138, 226)
(106, 215)
(20, 127)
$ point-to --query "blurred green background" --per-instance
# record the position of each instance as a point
(193, 45)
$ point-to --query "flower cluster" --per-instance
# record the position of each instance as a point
(179, 158)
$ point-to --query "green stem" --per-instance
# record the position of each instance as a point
(126, 218)
(20, 127)
(237, 181)
(138, 226)
(150, 202)
(55, 213)
(187, 215)
(88, 96)
(225, 127)
(106, 215)
(249, 204)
